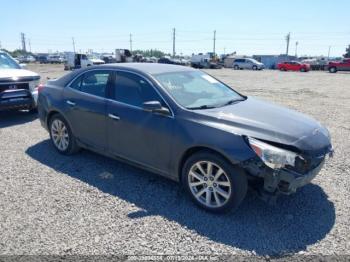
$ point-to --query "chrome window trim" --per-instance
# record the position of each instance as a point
(116, 71)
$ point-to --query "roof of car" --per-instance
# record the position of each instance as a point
(150, 68)
(145, 68)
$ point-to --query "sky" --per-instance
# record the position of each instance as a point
(247, 27)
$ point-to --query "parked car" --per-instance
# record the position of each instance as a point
(186, 125)
(335, 66)
(42, 59)
(166, 60)
(247, 63)
(293, 66)
(18, 87)
(55, 59)
(26, 59)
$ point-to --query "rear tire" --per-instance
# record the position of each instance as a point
(302, 70)
(236, 67)
(61, 136)
(223, 185)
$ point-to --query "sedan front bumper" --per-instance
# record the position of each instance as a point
(287, 181)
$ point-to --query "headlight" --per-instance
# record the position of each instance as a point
(33, 84)
(272, 156)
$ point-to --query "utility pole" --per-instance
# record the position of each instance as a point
(23, 40)
(0, 45)
(214, 39)
(174, 32)
(296, 48)
(30, 46)
(329, 51)
(130, 42)
(287, 39)
(73, 44)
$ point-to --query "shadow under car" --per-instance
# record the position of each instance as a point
(289, 226)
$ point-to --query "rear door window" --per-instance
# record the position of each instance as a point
(93, 83)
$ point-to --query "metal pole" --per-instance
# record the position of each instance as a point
(287, 39)
(296, 48)
(214, 42)
(174, 42)
(73, 44)
(329, 51)
(130, 42)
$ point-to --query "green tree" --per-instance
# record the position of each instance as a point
(347, 54)
(149, 53)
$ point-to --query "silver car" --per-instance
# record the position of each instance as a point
(247, 63)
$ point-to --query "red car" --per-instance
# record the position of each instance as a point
(293, 66)
(335, 66)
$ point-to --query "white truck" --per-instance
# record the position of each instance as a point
(123, 56)
(76, 61)
(205, 61)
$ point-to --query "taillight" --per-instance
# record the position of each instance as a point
(40, 87)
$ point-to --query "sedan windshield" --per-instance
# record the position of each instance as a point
(7, 62)
(197, 90)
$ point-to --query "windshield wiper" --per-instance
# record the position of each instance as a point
(201, 107)
(232, 101)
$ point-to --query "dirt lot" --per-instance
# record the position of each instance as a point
(89, 204)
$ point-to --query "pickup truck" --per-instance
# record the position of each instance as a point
(335, 66)
(18, 87)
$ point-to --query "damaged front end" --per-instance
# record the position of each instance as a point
(276, 170)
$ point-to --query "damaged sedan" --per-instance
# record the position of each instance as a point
(188, 126)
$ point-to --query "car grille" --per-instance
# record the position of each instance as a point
(13, 86)
(303, 166)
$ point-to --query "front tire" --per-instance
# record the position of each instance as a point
(332, 69)
(255, 67)
(213, 183)
(61, 136)
(236, 67)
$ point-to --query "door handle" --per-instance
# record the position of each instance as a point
(70, 103)
(114, 117)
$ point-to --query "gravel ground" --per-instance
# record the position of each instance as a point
(89, 204)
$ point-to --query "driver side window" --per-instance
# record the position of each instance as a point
(133, 90)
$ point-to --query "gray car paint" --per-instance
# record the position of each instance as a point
(163, 143)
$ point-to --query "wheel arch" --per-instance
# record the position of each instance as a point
(194, 150)
(55, 112)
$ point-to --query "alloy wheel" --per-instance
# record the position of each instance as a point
(209, 184)
(59, 134)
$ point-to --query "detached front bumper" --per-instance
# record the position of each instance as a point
(287, 181)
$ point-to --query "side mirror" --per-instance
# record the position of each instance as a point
(156, 107)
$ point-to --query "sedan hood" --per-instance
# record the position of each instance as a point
(16, 74)
(273, 123)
